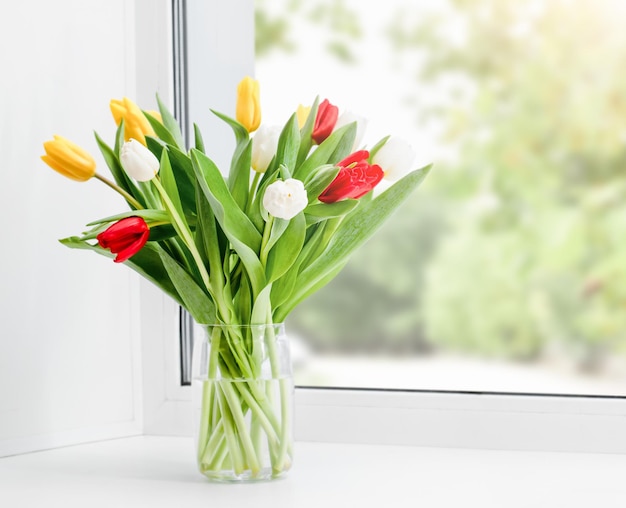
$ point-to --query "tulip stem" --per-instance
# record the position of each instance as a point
(251, 194)
(267, 231)
(183, 230)
(119, 190)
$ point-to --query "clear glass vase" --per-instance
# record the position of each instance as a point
(243, 402)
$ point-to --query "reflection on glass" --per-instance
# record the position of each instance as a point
(507, 271)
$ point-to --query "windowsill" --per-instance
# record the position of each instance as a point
(160, 472)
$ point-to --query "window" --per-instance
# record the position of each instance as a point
(433, 416)
(505, 271)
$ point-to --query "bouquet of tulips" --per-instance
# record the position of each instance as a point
(243, 248)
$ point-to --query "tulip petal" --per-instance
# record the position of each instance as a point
(396, 157)
(125, 237)
(355, 179)
(69, 159)
(136, 125)
(139, 162)
(285, 199)
(325, 121)
(248, 108)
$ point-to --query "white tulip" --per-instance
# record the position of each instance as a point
(396, 158)
(264, 145)
(139, 162)
(361, 126)
(285, 199)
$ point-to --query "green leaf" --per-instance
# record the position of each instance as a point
(352, 233)
(262, 307)
(243, 301)
(171, 124)
(242, 234)
(323, 211)
(166, 187)
(283, 287)
(119, 175)
(345, 144)
(258, 214)
(195, 300)
(239, 176)
(160, 130)
(206, 231)
(169, 184)
(93, 233)
(155, 145)
(185, 178)
(233, 220)
(284, 172)
(163, 232)
(374, 150)
(198, 138)
(328, 152)
(148, 214)
(296, 298)
(287, 248)
(119, 139)
(319, 179)
(306, 140)
(241, 133)
(288, 146)
(278, 228)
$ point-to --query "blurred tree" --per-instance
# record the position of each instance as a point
(515, 245)
(337, 26)
(542, 132)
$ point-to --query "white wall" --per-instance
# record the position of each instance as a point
(69, 320)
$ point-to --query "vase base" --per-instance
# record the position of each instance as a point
(247, 476)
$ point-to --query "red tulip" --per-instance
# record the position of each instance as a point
(356, 178)
(324, 121)
(125, 238)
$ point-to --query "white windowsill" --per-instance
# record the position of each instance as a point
(160, 472)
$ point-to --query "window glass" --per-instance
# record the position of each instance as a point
(506, 270)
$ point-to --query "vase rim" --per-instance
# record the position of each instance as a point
(260, 325)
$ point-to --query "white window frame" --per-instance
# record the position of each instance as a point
(446, 419)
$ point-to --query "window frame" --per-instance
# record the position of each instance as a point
(425, 418)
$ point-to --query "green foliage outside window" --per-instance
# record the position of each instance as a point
(516, 246)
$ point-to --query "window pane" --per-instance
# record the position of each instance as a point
(506, 270)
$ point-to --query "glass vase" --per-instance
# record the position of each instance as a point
(243, 402)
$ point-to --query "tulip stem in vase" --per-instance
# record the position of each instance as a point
(237, 414)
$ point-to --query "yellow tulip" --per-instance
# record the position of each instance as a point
(136, 125)
(69, 159)
(248, 111)
(302, 113)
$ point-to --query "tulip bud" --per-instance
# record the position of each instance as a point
(136, 125)
(139, 162)
(69, 159)
(355, 178)
(125, 238)
(324, 121)
(285, 199)
(348, 117)
(396, 157)
(264, 145)
(302, 113)
(248, 112)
